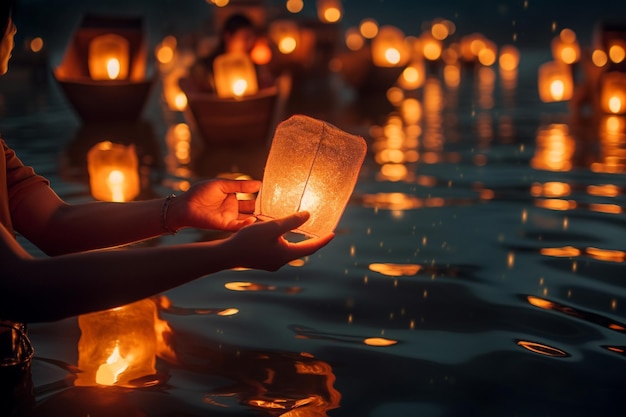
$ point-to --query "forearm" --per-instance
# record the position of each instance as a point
(98, 225)
(63, 286)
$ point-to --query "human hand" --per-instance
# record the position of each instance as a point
(263, 246)
(213, 204)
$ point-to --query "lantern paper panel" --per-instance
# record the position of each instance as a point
(555, 82)
(109, 57)
(235, 75)
(312, 166)
(117, 346)
(113, 171)
(613, 92)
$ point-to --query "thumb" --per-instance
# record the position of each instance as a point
(293, 221)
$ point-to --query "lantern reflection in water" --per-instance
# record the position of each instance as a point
(554, 148)
(612, 152)
(113, 172)
(311, 166)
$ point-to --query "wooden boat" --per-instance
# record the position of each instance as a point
(235, 121)
(105, 100)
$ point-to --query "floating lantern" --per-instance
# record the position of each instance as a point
(235, 75)
(413, 75)
(389, 48)
(613, 92)
(108, 57)
(117, 346)
(285, 34)
(431, 47)
(312, 166)
(565, 47)
(113, 172)
(329, 11)
(555, 82)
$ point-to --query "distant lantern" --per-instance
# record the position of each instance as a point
(329, 11)
(235, 75)
(285, 34)
(312, 166)
(389, 47)
(613, 92)
(117, 346)
(413, 75)
(555, 82)
(108, 57)
(565, 47)
(509, 58)
(113, 172)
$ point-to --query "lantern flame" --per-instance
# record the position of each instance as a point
(615, 104)
(115, 182)
(108, 373)
(287, 45)
(392, 55)
(113, 68)
(557, 89)
(239, 87)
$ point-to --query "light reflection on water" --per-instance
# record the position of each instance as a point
(478, 269)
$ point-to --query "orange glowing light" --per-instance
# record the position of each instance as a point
(354, 39)
(235, 75)
(599, 58)
(509, 58)
(439, 31)
(36, 44)
(113, 172)
(368, 28)
(617, 53)
(389, 48)
(294, 6)
(563, 252)
(108, 373)
(606, 254)
(542, 349)
(379, 341)
(395, 270)
(613, 92)
(108, 57)
(287, 45)
(555, 82)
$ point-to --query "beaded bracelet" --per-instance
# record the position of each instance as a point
(166, 204)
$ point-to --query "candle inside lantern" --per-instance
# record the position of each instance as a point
(113, 172)
(613, 92)
(389, 47)
(312, 166)
(235, 75)
(109, 372)
(108, 57)
(555, 82)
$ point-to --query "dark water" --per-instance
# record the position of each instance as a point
(478, 269)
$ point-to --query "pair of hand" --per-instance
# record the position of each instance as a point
(213, 204)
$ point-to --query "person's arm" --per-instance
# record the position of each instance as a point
(58, 228)
(53, 288)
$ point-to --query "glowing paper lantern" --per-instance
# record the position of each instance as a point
(285, 34)
(113, 172)
(235, 75)
(565, 47)
(555, 82)
(613, 92)
(108, 57)
(117, 346)
(329, 11)
(312, 166)
(389, 48)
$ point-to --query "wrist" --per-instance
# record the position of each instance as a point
(167, 225)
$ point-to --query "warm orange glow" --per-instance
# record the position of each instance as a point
(108, 373)
(542, 349)
(108, 57)
(599, 58)
(550, 189)
(261, 53)
(368, 28)
(379, 341)
(36, 44)
(439, 31)
(555, 148)
(617, 53)
(285, 34)
(606, 255)
(113, 172)
(235, 75)
(564, 252)
(395, 270)
(509, 58)
(567, 35)
(613, 92)
(540, 302)
(287, 45)
(452, 75)
(313, 166)
(565, 48)
(431, 48)
(605, 190)
(354, 39)
(329, 11)
(389, 48)
(294, 6)
(555, 82)
(166, 50)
